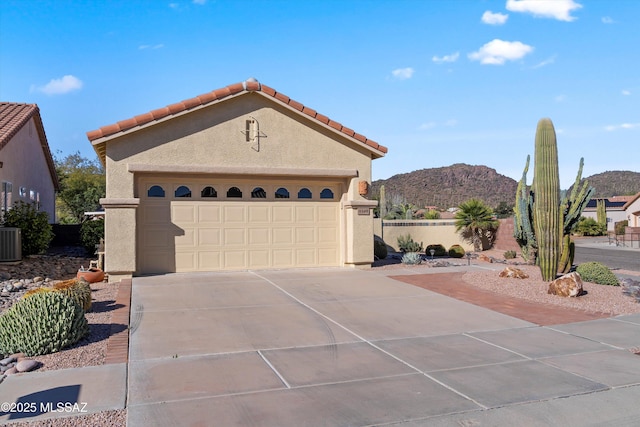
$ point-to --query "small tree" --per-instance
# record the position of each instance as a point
(82, 184)
(473, 220)
(36, 231)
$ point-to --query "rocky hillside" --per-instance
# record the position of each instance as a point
(449, 186)
(615, 183)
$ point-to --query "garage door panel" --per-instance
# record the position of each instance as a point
(233, 214)
(186, 261)
(327, 214)
(156, 214)
(282, 214)
(158, 262)
(283, 257)
(260, 213)
(235, 236)
(209, 214)
(259, 258)
(209, 236)
(306, 257)
(234, 259)
(282, 236)
(209, 260)
(186, 238)
(305, 214)
(327, 256)
(327, 235)
(259, 236)
(156, 238)
(305, 235)
(183, 214)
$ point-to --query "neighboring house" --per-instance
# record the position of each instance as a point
(239, 178)
(27, 170)
(632, 209)
(614, 207)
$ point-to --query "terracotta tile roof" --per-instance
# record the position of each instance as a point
(217, 95)
(13, 116)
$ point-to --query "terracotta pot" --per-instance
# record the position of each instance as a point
(91, 275)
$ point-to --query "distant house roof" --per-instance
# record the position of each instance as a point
(13, 116)
(218, 95)
(616, 203)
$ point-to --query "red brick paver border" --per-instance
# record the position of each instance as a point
(452, 285)
(118, 344)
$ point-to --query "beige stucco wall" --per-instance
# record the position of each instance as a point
(199, 141)
(438, 231)
(25, 166)
(612, 217)
(633, 213)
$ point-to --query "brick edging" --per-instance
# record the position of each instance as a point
(118, 344)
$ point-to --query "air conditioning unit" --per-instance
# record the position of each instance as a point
(10, 244)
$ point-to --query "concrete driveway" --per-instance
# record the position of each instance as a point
(342, 347)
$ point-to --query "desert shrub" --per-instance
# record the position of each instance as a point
(590, 227)
(411, 258)
(509, 254)
(406, 244)
(620, 226)
(36, 230)
(90, 233)
(456, 251)
(596, 272)
(432, 214)
(379, 249)
(43, 323)
(439, 250)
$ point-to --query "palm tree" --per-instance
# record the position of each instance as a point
(473, 219)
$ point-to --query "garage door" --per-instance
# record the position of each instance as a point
(230, 225)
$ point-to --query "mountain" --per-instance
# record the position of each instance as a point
(615, 183)
(449, 186)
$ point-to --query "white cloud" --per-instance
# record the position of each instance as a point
(494, 18)
(608, 20)
(199, 2)
(497, 52)
(427, 126)
(403, 73)
(149, 46)
(451, 122)
(446, 58)
(174, 5)
(556, 9)
(622, 126)
(61, 86)
(626, 92)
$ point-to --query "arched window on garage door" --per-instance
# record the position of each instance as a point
(183, 191)
(304, 193)
(282, 193)
(326, 194)
(209, 191)
(234, 192)
(258, 193)
(155, 191)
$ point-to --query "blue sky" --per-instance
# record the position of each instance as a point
(437, 82)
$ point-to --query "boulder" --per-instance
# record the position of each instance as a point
(27, 365)
(514, 273)
(483, 257)
(569, 285)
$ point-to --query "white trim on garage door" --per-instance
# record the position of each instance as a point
(199, 224)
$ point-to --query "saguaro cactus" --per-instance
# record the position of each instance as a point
(383, 202)
(571, 208)
(546, 208)
(523, 220)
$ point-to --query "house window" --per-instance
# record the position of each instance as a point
(23, 192)
(234, 192)
(282, 193)
(304, 193)
(209, 192)
(155, 191)
(258, 193)
(32, 195)
(183, 191)
(326, 194)
(5, 200)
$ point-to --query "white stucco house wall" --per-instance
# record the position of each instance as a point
(27, 170)
(242, 177)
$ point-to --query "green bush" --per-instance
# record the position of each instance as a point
(439, 250)
(509, 254)
(456, 251)
(43, 323)
(590, 227)
(36, 231)
(406, 244)
(379, 249)
(596, 272)
(620, 226)
(411, 258)
(90, 233)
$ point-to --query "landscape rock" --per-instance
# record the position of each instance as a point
(569, 285)
(27, 365)
(8, 360)
(483, 257)
(11, 371)
(514, 273)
